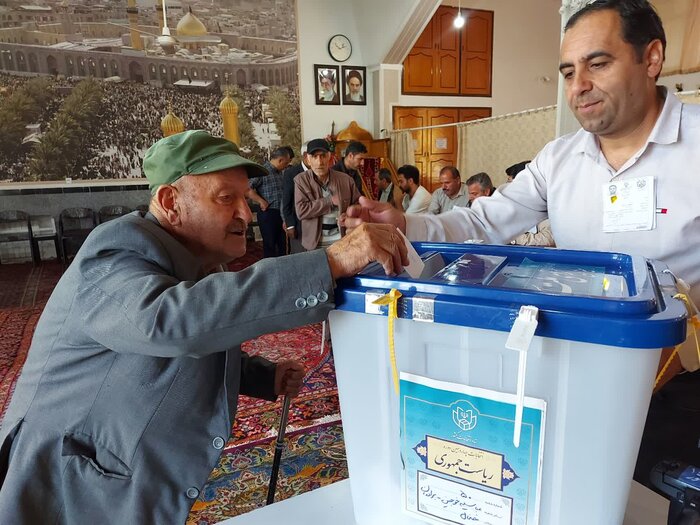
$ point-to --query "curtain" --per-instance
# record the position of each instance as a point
(681, 19)
(493, 144)
(402, 151)
(462, 147)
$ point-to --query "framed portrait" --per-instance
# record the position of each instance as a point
(354, 86)
(326, 80)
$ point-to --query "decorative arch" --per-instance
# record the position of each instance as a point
(152, 72)
(240, 78)
(21, 61)
(254, 76)
(33, 63)
(135, 71)
(263, 77)
(115, 68)
(278, 80)
(51, 65)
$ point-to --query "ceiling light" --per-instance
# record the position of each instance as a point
(459, 20)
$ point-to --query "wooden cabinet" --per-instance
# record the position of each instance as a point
(477, 50)
(434, 148)
(449, 61)
(432, 66)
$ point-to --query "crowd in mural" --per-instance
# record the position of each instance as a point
(128, 122)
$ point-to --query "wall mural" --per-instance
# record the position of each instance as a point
(86, 88)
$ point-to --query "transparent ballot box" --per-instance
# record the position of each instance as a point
(506, 385)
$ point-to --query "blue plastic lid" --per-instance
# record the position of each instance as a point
(606, 298)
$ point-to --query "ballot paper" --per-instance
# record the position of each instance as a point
(415, 263)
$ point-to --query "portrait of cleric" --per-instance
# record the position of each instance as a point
(327, 85)
(355, 91)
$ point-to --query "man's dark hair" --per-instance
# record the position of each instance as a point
(453, 170)
(385, 175)
(290, 150)
(640, 22)
(483, 180)
(410, 172)
(513, 170)
(280, 152)
(355, 147)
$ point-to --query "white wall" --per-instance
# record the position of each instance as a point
(371, 25)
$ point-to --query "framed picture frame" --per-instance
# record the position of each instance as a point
(354, 85)
(326, 82)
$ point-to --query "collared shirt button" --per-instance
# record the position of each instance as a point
(192, 493)
(218, 443)
(311, 301)
(300, 303)
(322, 297)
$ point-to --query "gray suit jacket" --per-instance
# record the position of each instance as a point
(131, 383)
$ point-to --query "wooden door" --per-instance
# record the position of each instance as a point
(467, 114)
(477, 45)
(420, 65)
(441, 147)
(407, 118)
(447, 50)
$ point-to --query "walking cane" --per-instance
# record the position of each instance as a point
(279, 446)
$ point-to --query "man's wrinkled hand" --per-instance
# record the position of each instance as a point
(289, 377)
(365, 244)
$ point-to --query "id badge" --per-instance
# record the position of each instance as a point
(629, 205)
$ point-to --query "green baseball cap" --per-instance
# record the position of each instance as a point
(193, 152)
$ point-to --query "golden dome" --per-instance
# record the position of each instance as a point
(190, 25)
(171, 124)
(228, 105)
(354, 132)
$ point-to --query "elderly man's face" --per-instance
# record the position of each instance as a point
(450, 185)
(326, 84)
(354, 85)
(214, 214)
(319, 163)
(606, 85)
(475, 191)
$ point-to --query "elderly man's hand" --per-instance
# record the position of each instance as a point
(289, 377)
(365, 244)
(372, 211)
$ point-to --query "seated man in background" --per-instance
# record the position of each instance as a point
(131, 384)
(321, 195)
(479, 185)
(539, 235)
(350, 164)
(387, 191)
(453, 192)
(416, 198)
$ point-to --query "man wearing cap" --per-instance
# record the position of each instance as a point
(321, 195)
(130, 387)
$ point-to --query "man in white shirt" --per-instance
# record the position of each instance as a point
(416, 198)
(452, 193)
(633, 133)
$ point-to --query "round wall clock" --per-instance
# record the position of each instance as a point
(340, 48)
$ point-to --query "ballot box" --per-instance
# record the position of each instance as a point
(503, 385)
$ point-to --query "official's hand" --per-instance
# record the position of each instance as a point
(369, 210)
(291, 232)
(365, 244)
(289, 377)
(335, 200)
(264, 205)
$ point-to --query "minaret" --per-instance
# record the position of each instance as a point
(133, 13)
(229, 116)
(171, 123)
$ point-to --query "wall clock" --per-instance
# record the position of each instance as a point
(340, 48)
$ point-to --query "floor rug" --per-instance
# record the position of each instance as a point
(17, 328)
(24, 284)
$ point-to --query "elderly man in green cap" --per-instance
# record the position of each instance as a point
(130, 386)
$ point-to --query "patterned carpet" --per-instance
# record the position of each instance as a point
(315, 453)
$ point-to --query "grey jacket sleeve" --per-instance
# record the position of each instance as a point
(135, 300)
